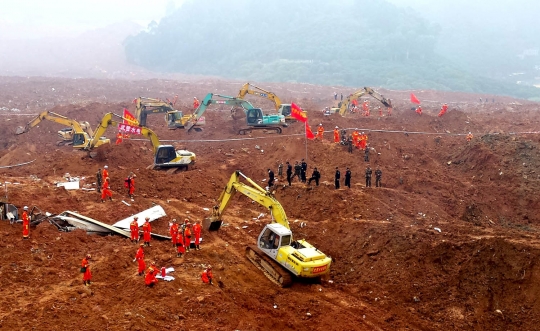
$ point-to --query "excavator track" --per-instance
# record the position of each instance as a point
(271, 129)
(272, 270)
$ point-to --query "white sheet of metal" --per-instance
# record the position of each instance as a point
(153, 213)
(69, 185)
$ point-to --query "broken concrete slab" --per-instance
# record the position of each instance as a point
(152, 213)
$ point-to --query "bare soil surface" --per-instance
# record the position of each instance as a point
(450, 241)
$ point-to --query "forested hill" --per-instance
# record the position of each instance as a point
(346, 42)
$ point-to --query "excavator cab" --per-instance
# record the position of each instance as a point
(174, 119)
(254, 117)
(164, 154)
(274, 236)
(285, 110)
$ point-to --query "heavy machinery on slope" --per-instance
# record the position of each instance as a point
(175, 118)
(165, 156)
(282, 108)
(255, 119)
(67, 135)
(358, 94)
(276, 253)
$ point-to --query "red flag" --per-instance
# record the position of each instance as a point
(414, 99)
(298, 114)
(129, 118)
(309, 133)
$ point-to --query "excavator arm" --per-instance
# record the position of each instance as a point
(358, 94)
(259, 92)
(145, 106)
(53, 117)
(252, 191)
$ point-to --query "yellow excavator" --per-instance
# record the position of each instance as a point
(282, 108)
(165, 156)
(175, 118)
(67, 135)
(276, 253)
(358, 94)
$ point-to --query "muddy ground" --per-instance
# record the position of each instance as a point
(450, 241)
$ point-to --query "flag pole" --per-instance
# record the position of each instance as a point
(305, 138)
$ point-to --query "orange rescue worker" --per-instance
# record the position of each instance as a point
(187, 237)
(197, 229)
(150, 278)
(180, 249)
(146, 231)
(85, 269)
(336, 135)
(320, 131)
(444, 108)
(365, 108)
(131, 184)
(363, 141)
(196, 103)
(389, 110)
(469, 137)
(25, 223)
(105, 191)
(139, 257)
(355, 138)
(105, 173)
(119, 137)
(206, 275)
(419, 110)
(173, 231)
(134, 228)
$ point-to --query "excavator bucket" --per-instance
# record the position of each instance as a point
(212, 223)
(20, 130)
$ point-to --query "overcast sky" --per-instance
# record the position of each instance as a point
(26, 18)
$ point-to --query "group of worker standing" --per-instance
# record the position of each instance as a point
(103, 184)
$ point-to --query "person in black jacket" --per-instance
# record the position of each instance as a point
(378, 176)
(368, 176)
(270, 178)
(289, 172)
(303, 171)
(316, 175)
(348, 178)
(336, 178)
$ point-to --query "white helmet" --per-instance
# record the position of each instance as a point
(336, 126)
(106, 167)
(25, 208)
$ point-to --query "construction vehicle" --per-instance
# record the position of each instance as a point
(358, 94)
(255, 119)
(282, 108)
(67, 135)
(276, 253)
(175, 118)
(165, 156)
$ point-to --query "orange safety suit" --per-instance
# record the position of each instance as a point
(105, 174)
(105, 191)
(87, 275)
(180, 243)
(355, 138)
(196, 104)
(469, 137)
(173, 231)
(320, 132)
(131, 186)
(197, 229)
(139, 256)
(134, 227)
(150, 278)
(206, 276)
(336, 136)
(419, 110)
(363, 141)
(444, 108)
(365, 108)
(146, 231)
(25, 224)
(187, 237)
(119, 137)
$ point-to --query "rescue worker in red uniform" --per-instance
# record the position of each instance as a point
(444, 108)
(363, 141)
(105, 174)
(197, 229)
(85, 269)
(131, 184)
(356, 138)
(134, 228)
(139, 257)
(187, 236)
(25, 223)
(119, 137)
(469, 137)
(151, 273)
(320, 132)
(207, 276)
(105, 191)
(419, 110)
(336, 135)
(180, 249)
(146, 232)
(173, 231)
(365, 108)
(196, 103)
